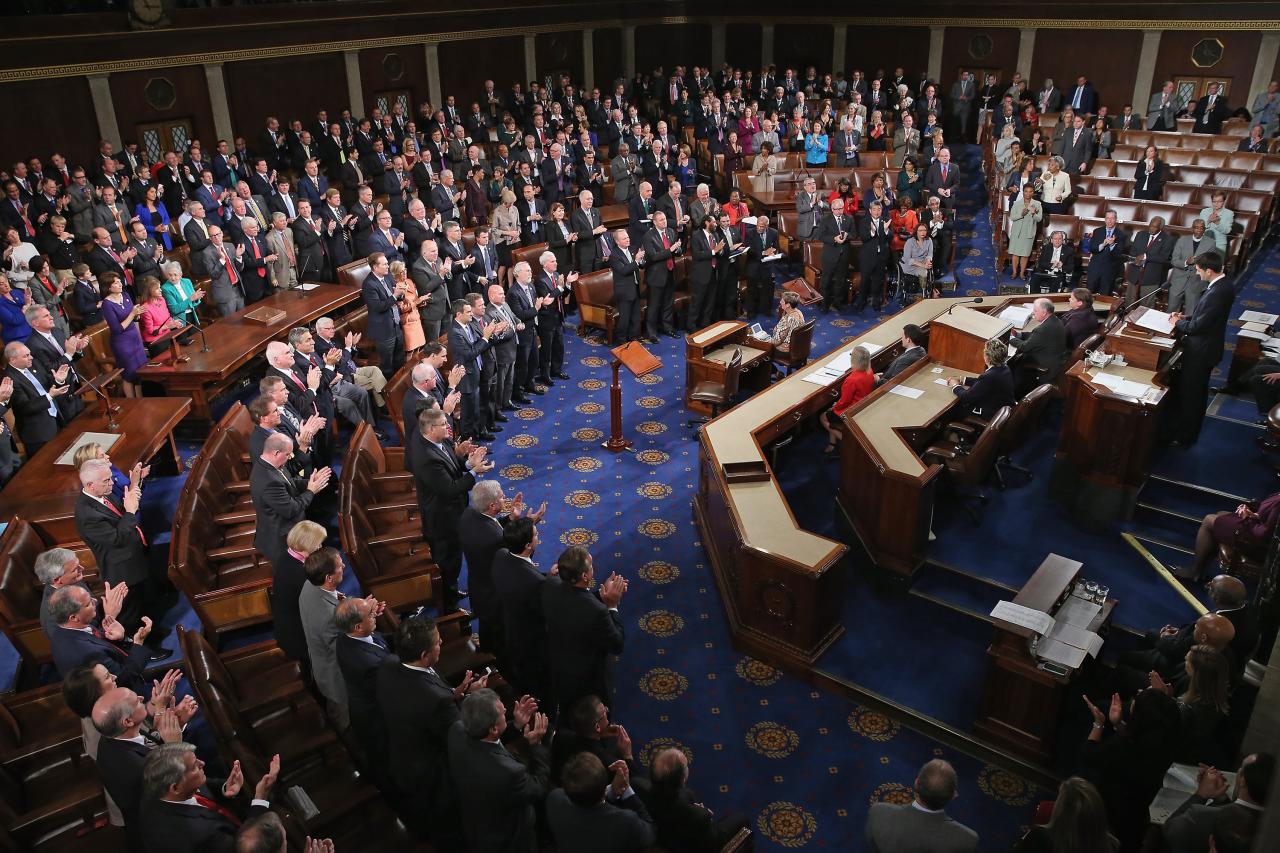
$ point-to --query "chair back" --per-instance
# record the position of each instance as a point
(731, 375)
(354, 273)
(975, 466)
(801, 345)
(1025, 418)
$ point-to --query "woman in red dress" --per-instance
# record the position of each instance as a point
(857, 384)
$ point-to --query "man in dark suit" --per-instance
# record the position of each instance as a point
(835, 232)
(1108, 246)
(178, 813)
(592, 814)
(533, 216)
(120, 716)
(78, 640)
(480, 534)
(586, 223)
(1217, 812)
(762, 242)
(1055, 267)
(1082, 98)
(873, 257)
(556, 174)
(308, 236)
(583, 627)
(443, 476)
(660, 246)
(1076, 148)
(419, 707)
(922, 824)
(518, 584)
(1042, 352)
(640, 209)
(626, 285)
(361, 650)
(682, 821)
(706, 250)
(312, 185)
(280, 500)
(913, 342)
(50, 349)
(382, 297)
(497, 793)
(523, 301)
(256, 256)
(553, 288)
(467, 349)
(1152, 252)
(1210, 111)
(990, 390)
(1201, 337)
(1080, 320)
(943, 179)
(105, 257)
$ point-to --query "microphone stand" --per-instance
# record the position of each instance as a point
(1123, 313)
(975, 300)
(301, 292)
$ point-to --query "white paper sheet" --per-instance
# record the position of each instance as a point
(841, 363)
(1077, 611)
(1073, 635)
(1156, 321)
(770, 258)
(1016, 315)
(1250, 333)
(1179, 783)
(305, 286)
(1060, 653)
(1164, 342)
(872, 349)
(909, 393)
(939, 382)
(818, 378)
(1036, 620)
(1259, 317)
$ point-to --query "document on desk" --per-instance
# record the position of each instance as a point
(841, 363)
(1164, 342)
(871, 349)
(1120, 386)
(769, 258)
(305, 286)
(1060, 653)
(1074, 635)
(1156, 321)
(1016, 315)
(1024, 617)
(1076, 611)
(909, 393)
(1250, 333)
(1259, 317)
(1179, 784)
(820, 377)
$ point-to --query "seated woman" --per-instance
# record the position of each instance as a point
(155, 320)
(1252, 526)
(182, 297)
(917, 257)
(990, 390)
(792, 319)
(857, 385)
(1203, 703)
(844, 192)
(903, 221)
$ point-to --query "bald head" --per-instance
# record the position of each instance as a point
(118, 712)
(280, 355)
(1227, 592)
(1214, 630)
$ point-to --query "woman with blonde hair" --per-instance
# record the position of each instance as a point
(1078, 823)
(410, 320)
(505, 232)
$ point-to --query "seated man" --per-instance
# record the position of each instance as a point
(684, 825)
(913, 349)
(590, 814)
(922, 824)
(367, 376)
(586, 728)
(1042, 352)
(992, 389)
(1167, 658)
(1081, 321)
(1189, 829)
(59, 568)
(1056, 265)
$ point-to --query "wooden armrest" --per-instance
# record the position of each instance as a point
(239, 487)
(246, 458)
(963, 428)
(230, 552)
(239, 516)
(394, 538)
(391, 477)
(941, 453)
(393, 506)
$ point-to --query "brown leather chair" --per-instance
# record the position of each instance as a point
(1024, 421)
(797, 354)
(596, 309)
(718, 395)
(397, 386)
(530, 254)
(968, 467)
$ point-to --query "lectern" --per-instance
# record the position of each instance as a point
(958, 338)
(640, 362)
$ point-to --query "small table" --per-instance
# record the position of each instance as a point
(773, 200)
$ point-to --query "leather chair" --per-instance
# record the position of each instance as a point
(246, 687)
(1024, 421)
(968, 468)
(797, 354)
(1211, 158)
(397, 386)
(354, 273)
(1126, 169)
(1245, 160)
(718, 395)
(21, 592)
(1103, 169)
(596, 309)
(529, 254)
(788, 243)
(1088, 205)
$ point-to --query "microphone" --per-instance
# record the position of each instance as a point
(302, 273)
(975, 300)
(204, 343)
(1123, 313)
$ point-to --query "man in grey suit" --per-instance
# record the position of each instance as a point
(921, 826)
(1077, 148)
(505, 347)
(316, 605)
(808, 210)
(111, 214)
(591, 814)
(1163, 108)
(906, 140)
(623, 170)
(960, 102)
(284, 269)
(1189, 828)
(1185, 287)
(913, 341)
(1266, 109)
(428, 279)
(224, 266)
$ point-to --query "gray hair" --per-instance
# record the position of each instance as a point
(171, 266)
(49, 565)
(480, 713)
(421, 372)
(192, 205)
(64, 603)
(347, 615)
(861, 359)
(484, 493)
(278, 216)
(996, 352)
(1057, 159)
(247, 219)
(545, 256)
(92, 467)
(322, 322)
(296, 334)
(165, 767)
(32, 309)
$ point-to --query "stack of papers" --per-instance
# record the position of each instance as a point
(1016, 315)
(909, 393)
(1065, 640)
(1025, 617)
(1179, 784)
(1259, 317)
(1156, 321)
(1121, 387)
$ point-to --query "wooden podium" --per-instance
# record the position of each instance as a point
(959, 337)
(707, 353)
(640, 362)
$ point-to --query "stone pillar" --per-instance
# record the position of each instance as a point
(1267, 53)
(1144, 82)
(433, 75)
(839, 39)
(1026, 48)
(355, 88)
(936, 35)
(104, 109)
(628, 54)
(588, 62)
(717, 46)
(218, 101)
(766, 44)
(530, 57)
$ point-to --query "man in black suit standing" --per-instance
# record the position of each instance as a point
(308, 236)
(443, 475)
(873, 257)
(518, 585)
(1210, 111)
(553, 288)
(480, 536)
(660, 247)
(419, 707)
(640, 210)
(1152, 253)
(382, 296)
(280, 500)
(762, 243)
(523, 301)
(360, 651)
(1201, 337)
(120, 716)
(1042, 352)
(583, 627)
(178, 813)
(497, 793)
(626, 285)
(257, 258)
(51, 348)
(467, 348)
(79, 641)
(835, 232)
(1108, 246)
(943, 179)
(34, 401)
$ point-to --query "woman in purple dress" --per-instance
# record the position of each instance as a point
(1249, 524)
(126, 341)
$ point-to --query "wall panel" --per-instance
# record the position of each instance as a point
(801, 45)
(1112, 65)
(671, 45)
(288, 88)
(869, 48)
(1240, 53)
(742, 46)
(190, 89)
(608, 58)
(463, 77)
(960, 43)
(45, 107)
(394, 68)
(559, 53)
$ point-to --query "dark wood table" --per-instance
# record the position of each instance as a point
(45, 494)
(235, 341)
(772, 200)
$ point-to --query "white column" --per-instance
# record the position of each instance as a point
(838, 47)
(588, 62)
(1026, 48)
(433, 74)
(766, 44)
(1144, 81)
(1267, 53)
(104, 109)
(628, 52)
(717, 46)
(355, 89)
(936, 35)
(530, 57)
(218, 100)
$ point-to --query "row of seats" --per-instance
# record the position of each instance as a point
(1209, 157)
(21, 592)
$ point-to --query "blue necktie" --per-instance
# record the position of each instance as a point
(466, 330)
(31, 377)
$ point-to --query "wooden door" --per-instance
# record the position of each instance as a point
(158, 137)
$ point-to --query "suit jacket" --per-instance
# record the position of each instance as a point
(518, 586)
(1188, 829)
(604, 828)
(312, 250)
(221, 285)
(280, 501)
(1167, 114)
(933, 181)
(1159, 255)
(359, 661)
(430, 282)
(282, 244)
(893, 828)
(384, 315)
(808, 215)
(313, 190)
(117, 546)
(1045, 346)
(182, 828)
(1088, 98)
(834, 253)
(49, 358)
(100, 261)
(656, 256)
(684, 825)
(1105, 265)
(419, 709)
(71, 648)
(197, 238)
(1076, 151)
(481, 537)
(287, 579)
(585, 635)
(1080, 323)
(902, 362)
(119, 764)
(987, 393)
(442, 201)
(1202, 334)
(1067, 256)
(756, 246)
(497, 793)
(1210, 120)
(532, 231)
(442, 482)
(316, 608)
(468, 353)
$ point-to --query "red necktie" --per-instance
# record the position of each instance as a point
(262, 271)
(226, 262)
(120, 514)
(97, 632)
(666, 244)
(209, 804)
(26, 223)
(128, 273)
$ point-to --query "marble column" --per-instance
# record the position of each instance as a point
(218, 100)
(433, 74)
(1144, 81)
(355, 88)
(936, 35)
(104, 109)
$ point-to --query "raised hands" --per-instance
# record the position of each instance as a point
(318, 480)
(612, 590)
(113, 599)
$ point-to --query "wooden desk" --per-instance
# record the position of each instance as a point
(614, 216)
(1104, 450)
(959, 338)
(1138, 345)
(771, 201)
(1021, 702)
(45, 494)
(236, 341)
(707, 353)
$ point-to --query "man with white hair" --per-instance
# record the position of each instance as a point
(445, 197)
(280, 500)
(506, 350)
(523, 301)
(59, 568)
(593, 243)
(553, 288)
(703, 206)
(366, 376)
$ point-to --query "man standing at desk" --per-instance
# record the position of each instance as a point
(1201, 338)
(834, 232)
(1042, 351)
